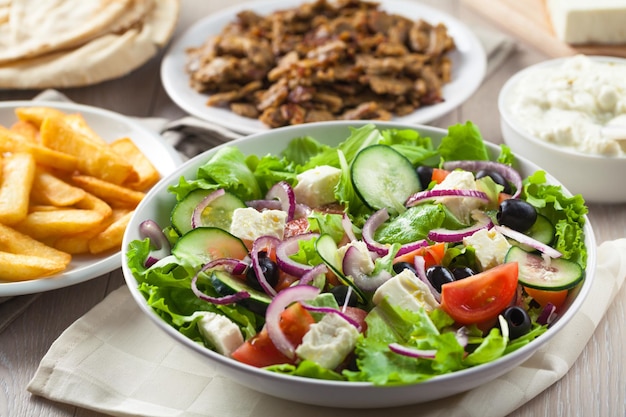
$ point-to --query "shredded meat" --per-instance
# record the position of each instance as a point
(323, 61)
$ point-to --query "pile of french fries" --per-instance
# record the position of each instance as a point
(64, 191)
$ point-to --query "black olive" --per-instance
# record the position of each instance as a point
(439, 275)
(401, 266)
(425, 175)
(516, 214)
(340, 292)
(496, 177)
(461, 272)
(270, 271)
(518, 320)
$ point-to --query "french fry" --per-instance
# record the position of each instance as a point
(49, 189)
(78, 123)
(44, 224)
(146, 172)
(18, 171)
(10, 142)
(27, 130)
(109, 192)
(93, 159)
(112, 236)
(91, 202)
(18, 267)
(13, 241)
(36, 115)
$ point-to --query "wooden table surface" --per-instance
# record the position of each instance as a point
(594, 386)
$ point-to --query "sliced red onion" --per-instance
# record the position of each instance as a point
(150, 229)
(508, 172)
(272, 316)
(547, 315)
(331, 310)
(369, 228)
(420, 271)
(283, 192)
(347, 227)
(196, 216)
(446, 235)
(426, 195)
(263, 243)
(312, 273)
(234, 266)
(354, 264)
(504, 326)
(288, 247)
(462, 336)
(527, 240)
(301, 210)
(412, 352)
(410, 247)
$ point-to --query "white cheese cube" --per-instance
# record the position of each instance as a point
(407, 291)
(461, 207)
(490, 246)
(249, 223)
(586, 21)
(328, 342)
(220, 332)
(316, 187)
(367, 264)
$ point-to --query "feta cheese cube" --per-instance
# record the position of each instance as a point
(328, 342)
(584, 21)
(220, 332)
(407, 291)
(249, 223)
(490, 246)
(367, 264)
(316, 187)
(459, 206)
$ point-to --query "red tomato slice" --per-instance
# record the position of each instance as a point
(439, 175)
(557, 298)
(433, 255)
(260, 350)
(481, 297)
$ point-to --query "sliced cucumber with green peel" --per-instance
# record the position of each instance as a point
(218, 213)
(329, 252)
(542, 230)
(205, 244)
(550, 274)
(384, 178)
(226, 284)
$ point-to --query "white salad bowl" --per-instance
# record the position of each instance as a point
(595, 176)
(158, 204)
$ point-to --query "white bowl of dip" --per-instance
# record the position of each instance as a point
(568, 116)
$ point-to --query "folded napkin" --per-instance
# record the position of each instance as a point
(116, 361)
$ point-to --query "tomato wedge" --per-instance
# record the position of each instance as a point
(556, 298)
(433, 255)
(481, 297)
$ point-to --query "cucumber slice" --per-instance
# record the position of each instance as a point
(204, 244)
(218, 213)
(384, 178)
(226, 284)
(542, 230)
(535, 272)
(328, 251)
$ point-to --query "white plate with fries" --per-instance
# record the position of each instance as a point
(71, 176)
(469, 63)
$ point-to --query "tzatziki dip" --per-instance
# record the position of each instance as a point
(580, 104)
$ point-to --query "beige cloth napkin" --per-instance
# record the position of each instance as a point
(116, 361)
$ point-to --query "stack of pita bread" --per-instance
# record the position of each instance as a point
(71, 43)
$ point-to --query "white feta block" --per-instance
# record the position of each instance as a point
(406, 291)
(328, 342)
(316, 187)
(220, 332)
(249, 223)
(490, 246)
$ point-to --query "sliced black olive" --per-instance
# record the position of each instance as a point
(340, 292)
(401, 266)
(496, 177)
(518, 320)
(270, 271)
(516, 214)
(439, 275)
(425, 175)
(461, 272)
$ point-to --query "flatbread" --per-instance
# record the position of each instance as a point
(104, 57)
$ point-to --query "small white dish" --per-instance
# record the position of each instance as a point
(469, 63)
(110, 126)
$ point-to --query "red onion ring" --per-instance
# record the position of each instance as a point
(347, 227)
(374, 221)
(260, 244)
(234, 266)
(509, 173)
(301, 210)
(353, 264)
(547, 315)
(196, 216)
(420, 271)
(527, 240)
(412, 352)
(312, 273)
(331, 310)
(421, 196)
(283, 191)
(272, 316)
(288, 247)
(446, 235)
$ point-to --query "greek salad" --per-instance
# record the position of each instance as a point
(385, 259)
